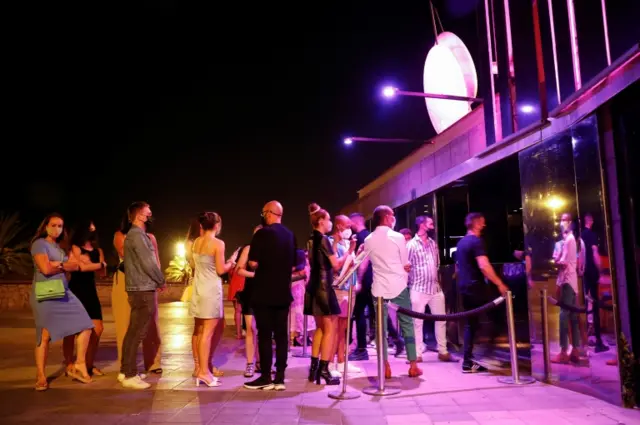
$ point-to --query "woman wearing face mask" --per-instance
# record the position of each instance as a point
(60, 313)
(320, 298)
(84, 246)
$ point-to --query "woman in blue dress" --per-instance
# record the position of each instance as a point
(60, 317)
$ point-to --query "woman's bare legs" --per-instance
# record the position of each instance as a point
(237, 317)
(318, 337)
(94, 341)
(41, 352)
(341, 338)
(204, 348)
(250, 345)
(195, 338)
(68, 346)
(329, 329)
(82, 343)
(215, 341)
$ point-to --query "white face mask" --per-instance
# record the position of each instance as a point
(393, 223)
(346, 234)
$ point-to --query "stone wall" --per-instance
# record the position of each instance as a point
(14, 295)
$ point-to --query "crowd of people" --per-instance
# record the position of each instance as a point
(275, 287)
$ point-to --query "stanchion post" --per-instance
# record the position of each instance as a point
(344, 394)
(546, 357)
(289, 331)
(304, 353)
(381, 389)
(515, 377)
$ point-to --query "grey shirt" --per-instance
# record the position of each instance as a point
(142, 272)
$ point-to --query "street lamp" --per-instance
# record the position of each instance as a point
(390, 92)
(181, 251)
(349, 140)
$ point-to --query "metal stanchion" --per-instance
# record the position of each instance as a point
(515, 377)
(344, 394)
(289, 331)
(303, 353)
(544, 309)
(381, 389)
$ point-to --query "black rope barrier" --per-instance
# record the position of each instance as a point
(576, 309)
(448, 317)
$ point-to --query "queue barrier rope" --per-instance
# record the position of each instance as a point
(448, 317)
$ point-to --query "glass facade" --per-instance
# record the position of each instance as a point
(562, 201)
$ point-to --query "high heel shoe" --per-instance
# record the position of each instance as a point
(214, 382)
(313, 369)
(323, 373)
(79, 374)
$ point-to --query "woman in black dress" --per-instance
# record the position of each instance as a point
(84, 246)
(320, 298)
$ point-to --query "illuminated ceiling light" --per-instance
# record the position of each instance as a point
(449, 69)
(527, 109)
(389, 92)
(554, 202)
(348, 141)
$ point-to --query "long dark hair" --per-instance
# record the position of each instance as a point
(42, 228)
(81, 234)
(194, 229)
(125, 223)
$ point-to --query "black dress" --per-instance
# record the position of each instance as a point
(83, 286)
(320, 298)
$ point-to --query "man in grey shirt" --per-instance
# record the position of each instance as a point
(142, 278)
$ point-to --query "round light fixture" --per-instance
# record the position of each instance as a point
(449, 69)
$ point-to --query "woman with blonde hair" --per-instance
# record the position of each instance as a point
(57, 312)
(320, 297)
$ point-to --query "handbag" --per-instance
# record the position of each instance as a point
(50, 290)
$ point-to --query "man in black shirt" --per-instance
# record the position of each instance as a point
(364, 298)
(273, 257)
(473, 267)
(592, 276)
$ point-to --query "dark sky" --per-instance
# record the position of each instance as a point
(226, 106)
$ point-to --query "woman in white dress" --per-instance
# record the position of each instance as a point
(207, 254)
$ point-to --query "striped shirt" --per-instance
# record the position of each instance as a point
(425, 260)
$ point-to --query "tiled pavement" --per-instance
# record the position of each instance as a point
(442, 396)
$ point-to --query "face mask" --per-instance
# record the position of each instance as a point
(393, 223)
(92, 236)
(263, 221)
(329, 227)
(54, 232)
(346, 234)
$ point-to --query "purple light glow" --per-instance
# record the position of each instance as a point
(389, 92)
(348, 141)
(527, 109)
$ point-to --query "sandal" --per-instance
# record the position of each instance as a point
(79, 375)
(217, 372)
(249, 370)
(42, 386)
(96, 372)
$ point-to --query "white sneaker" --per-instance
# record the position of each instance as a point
(351, 368)
(334, 371)
(121, 376)
(135, 383)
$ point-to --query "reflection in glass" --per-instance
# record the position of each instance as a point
(561, 184)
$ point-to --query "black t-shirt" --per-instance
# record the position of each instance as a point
(367, 277)
(470, 278)
(590, 240)
(274, 249)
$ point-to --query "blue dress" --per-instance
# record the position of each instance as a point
(61, 317)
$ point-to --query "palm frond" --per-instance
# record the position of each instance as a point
(14, 253)
(179, 270)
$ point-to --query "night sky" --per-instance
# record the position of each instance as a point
(223, 108)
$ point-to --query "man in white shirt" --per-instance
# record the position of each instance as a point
(389, 258)
(424, 285)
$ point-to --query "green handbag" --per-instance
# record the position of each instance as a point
(50, 290)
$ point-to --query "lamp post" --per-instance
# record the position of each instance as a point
(349, 140)
(390, 92)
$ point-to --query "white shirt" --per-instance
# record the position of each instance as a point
(388, 255)
(569, 257)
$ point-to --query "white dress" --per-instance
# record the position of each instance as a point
(206, 300)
